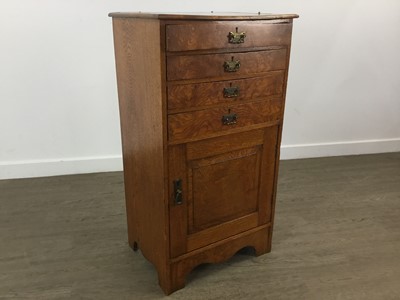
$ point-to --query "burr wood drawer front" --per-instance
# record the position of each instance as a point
(216, 121)
(225, 65)
(227, 34)
(186, 96)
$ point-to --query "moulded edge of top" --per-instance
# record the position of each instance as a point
(202, 16)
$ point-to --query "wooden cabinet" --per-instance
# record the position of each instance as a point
(201, 103)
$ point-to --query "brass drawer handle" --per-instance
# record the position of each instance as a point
(232, 66)
(229, 119)
(236, 37)
(231, 92)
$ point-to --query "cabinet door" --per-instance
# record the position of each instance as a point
(220, 187)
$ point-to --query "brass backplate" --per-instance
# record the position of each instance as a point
(236, 37)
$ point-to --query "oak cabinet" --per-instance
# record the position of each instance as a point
(201, 104)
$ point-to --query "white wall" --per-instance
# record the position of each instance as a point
(58, 99)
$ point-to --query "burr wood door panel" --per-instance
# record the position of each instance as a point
(220, 187)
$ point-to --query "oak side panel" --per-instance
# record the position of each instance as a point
(139, 77)
(279, 139)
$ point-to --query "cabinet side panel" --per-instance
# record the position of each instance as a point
(138, 63)
(278, 148)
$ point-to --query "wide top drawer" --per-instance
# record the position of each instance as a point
(227, 34)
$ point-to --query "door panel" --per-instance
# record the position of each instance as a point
(227, 187)
(224, 187)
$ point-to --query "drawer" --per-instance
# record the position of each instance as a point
(216, 35)
(181, 96)
(228, 64)
(208, 122)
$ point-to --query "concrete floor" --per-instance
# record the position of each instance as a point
(337, 236)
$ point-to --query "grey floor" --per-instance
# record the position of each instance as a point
(337, 236)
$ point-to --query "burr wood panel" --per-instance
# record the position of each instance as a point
(215, 35)
(213, 65)
(208, 122)
(181, 96)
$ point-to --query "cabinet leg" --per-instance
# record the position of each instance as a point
(171, 279)
(263, 246)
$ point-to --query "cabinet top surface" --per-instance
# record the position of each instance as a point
(203, 16)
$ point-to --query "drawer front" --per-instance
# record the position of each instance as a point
(181, 96)
(209, 122)
(216, 35)
(181, 67)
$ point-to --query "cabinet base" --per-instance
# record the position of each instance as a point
(172, 278)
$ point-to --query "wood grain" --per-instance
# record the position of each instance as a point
(227, 170)
(181, 67)
(218, 252)
(278, 150)
(214, 35)
(204, 123)
(224, 187)
(140, 101)
(221, 231)
(195, 95)
(223, 191)
(268, 172)
(178, 213)
(223, 144)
